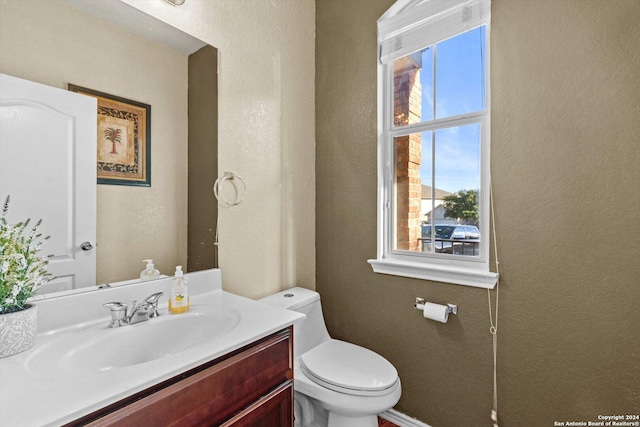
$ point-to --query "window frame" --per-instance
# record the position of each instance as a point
(456, 269)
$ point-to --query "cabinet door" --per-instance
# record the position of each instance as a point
(273, 410)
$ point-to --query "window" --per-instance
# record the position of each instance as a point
(433, 148)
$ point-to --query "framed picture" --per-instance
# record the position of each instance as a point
(124, 139)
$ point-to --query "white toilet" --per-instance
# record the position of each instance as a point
(337, 384)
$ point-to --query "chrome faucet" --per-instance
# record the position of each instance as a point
(121, 315)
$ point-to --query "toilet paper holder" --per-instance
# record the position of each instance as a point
(451, 308)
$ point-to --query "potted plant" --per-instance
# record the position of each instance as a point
(22, 272)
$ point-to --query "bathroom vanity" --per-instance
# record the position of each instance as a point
(228, 361)
(253, 383)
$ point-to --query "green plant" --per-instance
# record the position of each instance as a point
(22, 270)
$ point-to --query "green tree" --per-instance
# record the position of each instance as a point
(462, 205)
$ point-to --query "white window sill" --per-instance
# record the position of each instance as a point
(438, 273)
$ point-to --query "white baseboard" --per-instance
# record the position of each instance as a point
(401, 419)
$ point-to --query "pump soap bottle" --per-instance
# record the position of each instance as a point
(179, 301)
(150, 272)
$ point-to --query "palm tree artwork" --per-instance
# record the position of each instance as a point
(113, 135)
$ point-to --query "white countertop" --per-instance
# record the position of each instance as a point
(45, 397)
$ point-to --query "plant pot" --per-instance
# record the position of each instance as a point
(18, 330)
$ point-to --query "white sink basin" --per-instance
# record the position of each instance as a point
(78, 365)
(98, 348)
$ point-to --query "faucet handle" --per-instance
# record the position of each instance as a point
(152, 300)
(118, 313)
(116, 306)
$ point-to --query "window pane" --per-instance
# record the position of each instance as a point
(460, 74)
(459, 80)
(457, 158)
(437, 188)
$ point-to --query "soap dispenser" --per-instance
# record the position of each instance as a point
(149, 273)
(179, 301)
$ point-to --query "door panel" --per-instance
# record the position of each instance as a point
(47, 165)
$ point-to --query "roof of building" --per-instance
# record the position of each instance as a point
(440, 194)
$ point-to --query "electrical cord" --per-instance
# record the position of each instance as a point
(494, 325)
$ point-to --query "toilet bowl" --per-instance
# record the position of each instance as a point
(337, 384)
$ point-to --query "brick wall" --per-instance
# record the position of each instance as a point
(407, 110)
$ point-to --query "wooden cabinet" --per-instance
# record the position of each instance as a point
(250, 387)
(275, 409)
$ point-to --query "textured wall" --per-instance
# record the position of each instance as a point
(565, 133)
(266, 134)
(52, 43)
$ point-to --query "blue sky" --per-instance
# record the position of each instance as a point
(459, 89)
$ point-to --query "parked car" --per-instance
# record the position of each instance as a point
(446, 234)
(471, 232)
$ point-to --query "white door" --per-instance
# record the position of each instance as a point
(48, 166)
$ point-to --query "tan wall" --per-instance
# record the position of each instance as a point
(565, 130)
(266, 134)
(49, 42)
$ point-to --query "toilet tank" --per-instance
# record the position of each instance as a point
(309, 332)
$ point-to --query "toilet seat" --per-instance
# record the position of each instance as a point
(348, 368)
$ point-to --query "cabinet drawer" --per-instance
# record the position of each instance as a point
(215, 394)
(274, 409)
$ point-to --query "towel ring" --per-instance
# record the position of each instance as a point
(230, 177)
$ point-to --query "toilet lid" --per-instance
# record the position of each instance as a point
(348, 368)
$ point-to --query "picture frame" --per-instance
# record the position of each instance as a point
(123, 139)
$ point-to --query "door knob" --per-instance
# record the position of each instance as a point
(86, 246)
